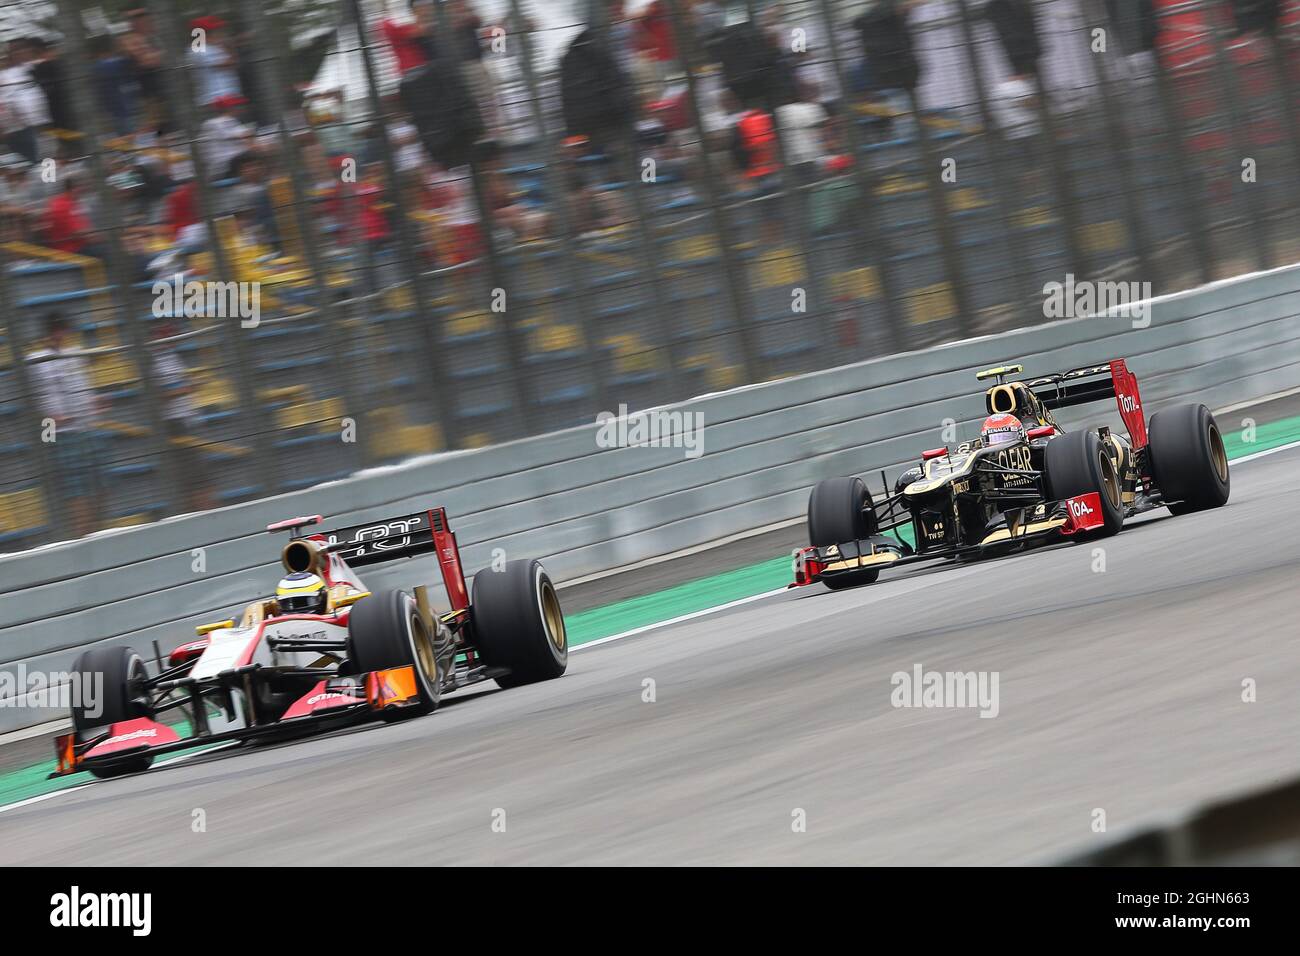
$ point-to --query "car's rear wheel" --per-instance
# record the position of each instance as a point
(112, 687)
(1077, 463)
(1188, 460)
(386, 631)
(518, 623)
(840, 510)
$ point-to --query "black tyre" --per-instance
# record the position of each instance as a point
(1077, 463)
(518, 623)
(385, 631)
(1188, 460)
(118, 676)
(839, 510)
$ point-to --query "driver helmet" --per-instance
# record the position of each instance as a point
(301, 593)
(1001, 430)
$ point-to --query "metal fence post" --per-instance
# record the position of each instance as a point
(524, 394)
(273, 86)
(29, 410)
(872, 236)
(949, 249)
(737, 287)
(90, 121)
(1000, 156)
(795, 200)
(435, 388)
(1079, 262)
(1192, 204)
(577, 275)
(1116, 131)
(1261, 230)
(646, 232)
(180, 92)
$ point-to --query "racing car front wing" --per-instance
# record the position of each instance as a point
(330, 701)
(1065, 518)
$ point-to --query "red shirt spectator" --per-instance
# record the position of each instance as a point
(759, 141)
(407, 41)
(654, 34)
(182, 208)
(66, 223)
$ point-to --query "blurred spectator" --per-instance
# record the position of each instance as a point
(115, 84)
(64, 395)
(411, 39)
(180, 416)
(249, 199)
(23, 108)
(181, 207)
(801, 123)
(68, 226)
(891, 66)
(222, 137)
(466, 27)
(216, 66)
(595, 91)
(140, 46)
(19, 202)
(47, 71)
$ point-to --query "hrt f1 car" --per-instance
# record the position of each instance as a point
(325, 651)
(1024, 480)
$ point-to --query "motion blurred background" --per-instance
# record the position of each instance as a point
(468, 221)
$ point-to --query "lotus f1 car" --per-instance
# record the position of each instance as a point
(1042, 484)
(284, 669)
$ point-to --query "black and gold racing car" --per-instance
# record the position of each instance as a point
(1044, 484)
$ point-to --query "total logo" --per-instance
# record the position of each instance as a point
(1079, 508)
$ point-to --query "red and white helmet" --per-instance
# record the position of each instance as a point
(1001, 430)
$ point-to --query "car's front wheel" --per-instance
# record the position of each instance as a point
(112, 688)
(1077, 463)
(840, 510)
(386, 631)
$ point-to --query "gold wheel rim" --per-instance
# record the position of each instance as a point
(1109, 478)
(553, 617)
(423, 648)
(1217, 453)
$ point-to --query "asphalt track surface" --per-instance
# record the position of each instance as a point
(1119, 690)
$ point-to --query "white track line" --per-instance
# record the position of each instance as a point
(676, 620)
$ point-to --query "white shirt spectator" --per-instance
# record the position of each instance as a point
(214, 73)
(172, 377)
(63, 390)
(24, 105)
(801, 125)
(1014, 108)
(222, 138)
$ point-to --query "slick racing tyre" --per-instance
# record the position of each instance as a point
(1077, 463)
(839, 510)
(518, 623)
(1188, 460)
(118, 678)
(385, 631)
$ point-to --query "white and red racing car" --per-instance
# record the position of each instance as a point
(324, 651)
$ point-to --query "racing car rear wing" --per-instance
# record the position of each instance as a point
(1090, 384)
(405, 537)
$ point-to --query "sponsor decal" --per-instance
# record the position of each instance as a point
(133, 735)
